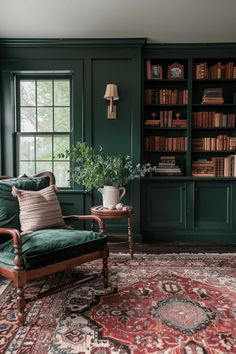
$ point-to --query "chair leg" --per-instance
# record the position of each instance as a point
(20, 299)
(20, 280)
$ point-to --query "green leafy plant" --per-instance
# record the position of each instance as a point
(93, 169)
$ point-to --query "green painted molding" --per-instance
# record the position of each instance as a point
(71, 42)
(190, 49)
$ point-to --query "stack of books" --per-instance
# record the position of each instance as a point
(213, 96)
(152, 122)
(167, 167)
(215, 167)
(203, 168)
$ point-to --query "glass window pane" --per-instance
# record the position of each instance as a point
(60, 145)
(45, 119)
(27, 93)
(28, 119)
(44, 148)
(44, 92)
(44, 111)
(61, 92)
(26, 148)
(61, 119)
(61, 172)
(26, 167)
(42, 166)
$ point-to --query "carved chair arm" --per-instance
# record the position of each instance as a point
(14, 233)
(17, 242)
(87, 217)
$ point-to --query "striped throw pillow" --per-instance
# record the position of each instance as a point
(38, 209)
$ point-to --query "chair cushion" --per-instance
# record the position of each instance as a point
(38, 209)
(9, 206)
(48, 246)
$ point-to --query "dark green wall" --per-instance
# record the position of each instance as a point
(94, 63)
(168, 209)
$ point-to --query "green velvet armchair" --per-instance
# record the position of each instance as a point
(37, 252)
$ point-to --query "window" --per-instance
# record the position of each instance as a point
(43, 125)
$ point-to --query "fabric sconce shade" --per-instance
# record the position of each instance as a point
(111, 94)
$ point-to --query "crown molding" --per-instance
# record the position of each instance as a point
(71, 42)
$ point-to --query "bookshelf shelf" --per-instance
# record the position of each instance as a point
(166, 151)
(216, 106)
(213, 80)
(228, 152)
(166, 81)
(214, 128)
(164, 128)
(166, 105)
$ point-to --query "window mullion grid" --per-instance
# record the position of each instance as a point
(36, 104)
(36, 124)
(53, 123)
(36, 134)
(35, 153)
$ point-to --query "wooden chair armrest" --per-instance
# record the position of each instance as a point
(17, 242)
(14, 233)
(87, 217)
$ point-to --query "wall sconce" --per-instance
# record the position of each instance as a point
(111, 94)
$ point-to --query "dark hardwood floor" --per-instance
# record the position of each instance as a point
(163, 248)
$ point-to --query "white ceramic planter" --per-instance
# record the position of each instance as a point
(111, 195)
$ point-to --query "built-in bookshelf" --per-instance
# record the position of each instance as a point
(189, 116)
(165, 115)
(189, 135)
(213, 118)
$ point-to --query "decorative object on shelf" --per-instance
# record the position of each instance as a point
(153, 71)
(111, 94)
(156, 72)
(175, 71)
(93, 169)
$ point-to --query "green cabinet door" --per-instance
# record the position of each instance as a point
(190, 210)
(213, 205)
(165, 208)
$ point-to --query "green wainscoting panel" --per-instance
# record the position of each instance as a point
(165, 206)
(71, 203)
(213, 205)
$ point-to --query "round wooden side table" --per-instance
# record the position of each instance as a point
(105, 213)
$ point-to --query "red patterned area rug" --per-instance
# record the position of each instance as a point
(170, 304)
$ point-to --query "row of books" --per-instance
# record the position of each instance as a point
(163, 143)
(216, 71)
(213, 96)
(203, 119)
(167, 167)
(215, 167)
(166, 96)
(167, 120)
(219, 143)
(213, 119)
